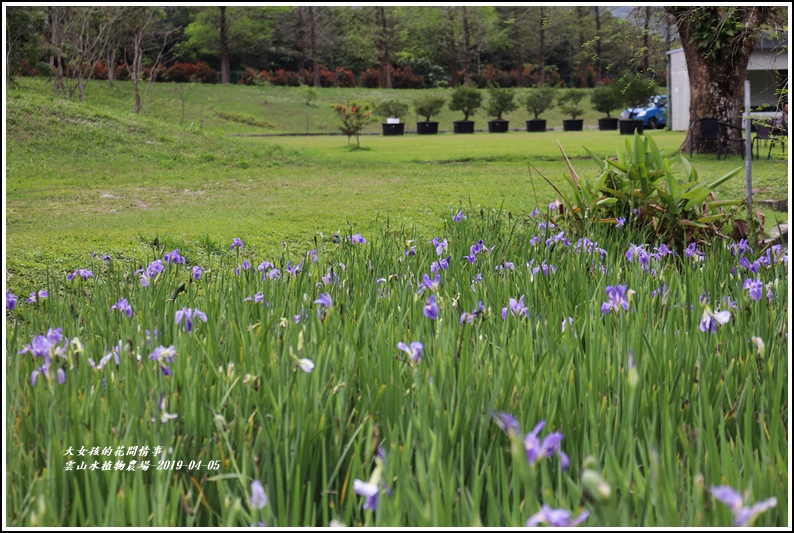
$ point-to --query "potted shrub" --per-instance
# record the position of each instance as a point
(428, 106)
(605, 100)
(636, 92)
(499, 101)
(568, 102)
(467, 100)
(392, 111)
(536, 102)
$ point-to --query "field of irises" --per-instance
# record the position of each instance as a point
(506, 371)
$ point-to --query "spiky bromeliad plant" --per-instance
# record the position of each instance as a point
(639, 185)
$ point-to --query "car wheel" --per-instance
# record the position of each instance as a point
(652, 123)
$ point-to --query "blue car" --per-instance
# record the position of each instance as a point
(653, 114)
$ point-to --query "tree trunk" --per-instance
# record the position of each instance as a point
(137, 68)
(313, 44)
(517, 50)
(599, 72)
(582, 60)
(384, 80)
(225, 69)
(542, 52)
(302, 45)
(453, 47)
(716, 75)
(111, 63)
(646, 43)
(466, 49)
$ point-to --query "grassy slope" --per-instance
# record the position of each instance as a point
(93, 177)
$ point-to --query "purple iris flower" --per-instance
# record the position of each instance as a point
(429, 284)
(477, 279)
(459, 216)
(516, 307)
(45, 369)
(122, 306)
(534, 241)
(756, 288)
(258, 496)
(469, 317)
(506, 423)
(237, 242)
(742, 516)
(272, 274)
(740, 248)
(188, 314)
(617, 299)
(370, 491)
(441, 264)
(567, 322)
(507, 266)
(264, 266)
(414, 351)
(324, 300)
(294, 270)
(173, 258)
(537, 450)
(81, 272)
(441, 246)
(163, 355)
(197, 272)
(553, 206)
(662, 291)
(543, 266)
(412, 251)
(313, 255)
(431, 309)
(556, 518)
(357, 239)
(33, 298)
(620, 222)
(477, 247)
(336, 238)
(535, 212)
(709, 320)
(692, 250)
(11, 300)
(640, 254)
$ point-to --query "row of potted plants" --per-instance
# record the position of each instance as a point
(604, 99)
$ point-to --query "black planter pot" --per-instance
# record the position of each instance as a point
(427, 128)
(627, 126)
(463, 126)
(498, 126)
(536, 125)
(393, 129)
(573, 125)
(607, 124)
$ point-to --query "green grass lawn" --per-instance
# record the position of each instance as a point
(92, 177)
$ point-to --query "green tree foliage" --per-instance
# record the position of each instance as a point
(500, 100)
(539, 100)
(391, 109)
(467, 100)
(429, 106)
(568, 102)
(606, 99)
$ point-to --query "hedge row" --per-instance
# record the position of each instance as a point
(401, 77)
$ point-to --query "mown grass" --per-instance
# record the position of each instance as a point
(702, 410)
(93, 177)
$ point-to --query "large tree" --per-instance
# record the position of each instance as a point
(717, 43)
